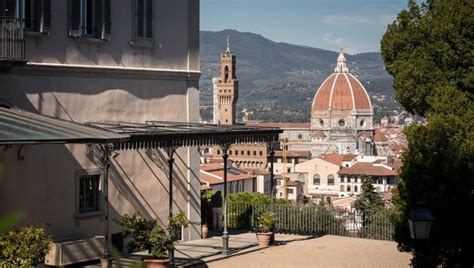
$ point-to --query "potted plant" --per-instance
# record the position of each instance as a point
(150, 236)
(264, 226)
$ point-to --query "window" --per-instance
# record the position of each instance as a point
(248, 152)
(301, 177)
(316, 179)
(341, 179)
(90, 18)
(218, 152)
(226, 74)
(341, 122)
(290, 191)
(88, 193)
(242, 152)
(236, 152)
(36, 13)
(144, 19)
(348, 188)
(330, 180)
(255, 153)
(355, 188)
(341, 188)
(260, 153)
(288, 170)
(230, 152)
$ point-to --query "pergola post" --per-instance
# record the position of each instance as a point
(104, 166)
(225, 233)
(170, 151)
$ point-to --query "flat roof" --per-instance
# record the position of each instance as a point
(19, 127)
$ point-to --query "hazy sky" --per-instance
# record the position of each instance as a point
(356, 25)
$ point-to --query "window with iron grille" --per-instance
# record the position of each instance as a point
(88, 193)
(144, 19)
(90, 18)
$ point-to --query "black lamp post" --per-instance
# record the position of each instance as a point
(419, 222)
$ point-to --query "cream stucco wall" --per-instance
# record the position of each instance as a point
(86, 80)
(324, 169)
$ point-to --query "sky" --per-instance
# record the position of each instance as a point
(355, 25)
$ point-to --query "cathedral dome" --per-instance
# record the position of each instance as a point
(341, 91)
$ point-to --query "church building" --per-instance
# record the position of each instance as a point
(342, 115)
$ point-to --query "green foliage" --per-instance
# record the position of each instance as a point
(139, 229)
(429, 51)
(24, 247)
(428, 46)
(160, 242)
(265, 222)
(247, 197)
(150, 235)
(369, 201)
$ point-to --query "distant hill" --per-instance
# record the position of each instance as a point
(277, 81)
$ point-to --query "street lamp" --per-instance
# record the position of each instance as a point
(419, 222)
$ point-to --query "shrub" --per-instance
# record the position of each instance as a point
(150, 235)
(265, 221)
(24, 247)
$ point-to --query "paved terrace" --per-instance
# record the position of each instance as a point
(289, 251)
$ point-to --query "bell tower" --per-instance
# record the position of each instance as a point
(227, 88)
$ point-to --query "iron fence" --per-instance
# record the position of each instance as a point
(12, 39)
(313, 220)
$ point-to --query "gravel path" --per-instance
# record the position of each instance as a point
(326, 251)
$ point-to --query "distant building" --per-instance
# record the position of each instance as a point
(341, 118)
(212, 177)
(334, 176)
(226, 88)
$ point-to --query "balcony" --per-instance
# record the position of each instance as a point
(12, 42)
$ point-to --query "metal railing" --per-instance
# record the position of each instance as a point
(12, 39)
(313, 220)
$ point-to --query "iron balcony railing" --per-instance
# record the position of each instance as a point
(12, 39)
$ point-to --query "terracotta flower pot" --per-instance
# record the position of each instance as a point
(263, 239)
(155, 263)
(204, 230)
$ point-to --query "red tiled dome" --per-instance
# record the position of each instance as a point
(341, 91)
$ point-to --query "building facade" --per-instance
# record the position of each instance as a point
(128, 61)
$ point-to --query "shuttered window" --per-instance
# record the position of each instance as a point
(144, 19)
(36, 13)
(90, 18)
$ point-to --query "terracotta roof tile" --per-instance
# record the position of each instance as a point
(366, 169)
(332, 158)
(341, 91)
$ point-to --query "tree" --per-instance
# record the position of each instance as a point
(369, 201)
(429, 51)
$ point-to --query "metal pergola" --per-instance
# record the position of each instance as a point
(172, 135)
(19, 127)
